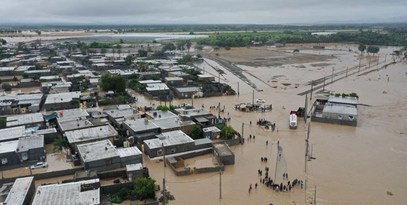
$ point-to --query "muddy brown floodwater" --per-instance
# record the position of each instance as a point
(354, 165)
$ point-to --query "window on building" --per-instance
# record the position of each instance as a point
(4, 161)
(159, 152)
(173, 150)
(351, 117)
(340, 117)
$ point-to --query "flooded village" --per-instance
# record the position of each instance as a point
(176, 122)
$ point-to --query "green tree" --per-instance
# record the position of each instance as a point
(185, 59)
(226, 132)
(6, 86)
(103, 50)
(162, 108)
(196, 132)
(115, 83)
(168, 47)
(3, 42)
(129, 60)
(199, 47)
(144, 188)
(188, 44)
(142, 53)
(373, 49)
(59, 143)
(362, 48)
(3, 122)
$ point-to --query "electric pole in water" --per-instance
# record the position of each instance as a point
(242, 129)
(253, 98)
(220, 182)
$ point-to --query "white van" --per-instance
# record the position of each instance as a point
(293, 120)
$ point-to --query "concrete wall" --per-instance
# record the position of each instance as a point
(131, 160)
(104, 164)
(334, 121)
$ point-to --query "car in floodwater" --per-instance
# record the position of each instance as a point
(260, 100)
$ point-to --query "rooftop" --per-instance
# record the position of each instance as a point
(121, 111)
(98, 150)
(343, 100)
(170, 123)
(128, 151)
(19, 191)
(28, 143)
(92, 133)
(71, 114)
(134, 167)
(25, 119)
(223, 149)
(211, 129)
(188, 89)
(68, 193)
(10, 146)
(157, 114)
(176, 137)
(62, 97)
(139, 125)
(340, 109)
(12, 133)
(192, 112)
(74, 124)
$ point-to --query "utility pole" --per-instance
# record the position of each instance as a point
(192, 100)
(306, 147)
(315, 195)
(360, 59)
(312, 89)
(253, 98)
(238, 92)
(242, 129)
(275, 169)
(219, 110)
(323, 87)
(346, 71)
(164, 190)
(306, 108)
(220, 182)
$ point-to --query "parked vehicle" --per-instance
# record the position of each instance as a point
(293, 120)
(260, 100)
(39, 165)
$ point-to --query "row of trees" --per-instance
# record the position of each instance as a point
(240, 39)
(369, 49)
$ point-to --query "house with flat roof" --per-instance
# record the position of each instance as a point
(336, 110)
(199, 116)
(91, 134)
(171, 124)
(172, 142)
(62, 100)
(21, 192)
(159, 114)
(188, 92)
(30, 148)
(81, 192)
(12, 133)
(27, 120)
(15, 103)
(158, 89)
(141, 129)
(72, 114)
(74, 124)
(121, 113)
(56, 87)
(102, 155)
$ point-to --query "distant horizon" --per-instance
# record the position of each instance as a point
(107, 25)
(263, 12)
